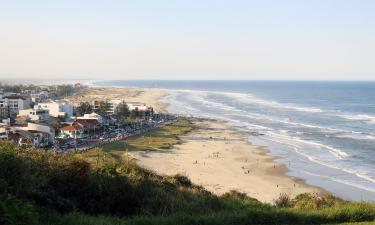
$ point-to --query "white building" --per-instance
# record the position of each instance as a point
(57, 109)
(91, 116)
(113, 104)
(41, 135)
(37, 114)
(137, 105)
(3, 133)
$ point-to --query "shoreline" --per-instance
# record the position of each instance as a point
(264, 182)
(218, 157)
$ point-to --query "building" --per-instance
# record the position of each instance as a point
(37, 114)
(4, 110)
(113, 104)
(16, 103)
(3, 133)
(40, 96)
(36, 134)
(57, 109)
(138, 106)
(75, 131)
(91, 116)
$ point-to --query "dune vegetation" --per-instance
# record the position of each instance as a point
(104, 187)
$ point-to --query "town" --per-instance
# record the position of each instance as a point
(39, 116)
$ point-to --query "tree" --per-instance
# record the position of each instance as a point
(123, 110)
(84, 108)
(104, 107)
(64, 90)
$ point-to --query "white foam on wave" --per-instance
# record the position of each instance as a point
(201, 97)
(333, 151)
(311, 158)
(370, 119)
(269, 103)
(251, 99)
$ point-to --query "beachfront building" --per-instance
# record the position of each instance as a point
(91, 116)
(36, 115)
(113, 104)
(75, 131)
(138, 106)
(57, 109)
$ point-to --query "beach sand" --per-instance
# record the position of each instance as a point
(220, 159)
(150, 97)
(214, 155)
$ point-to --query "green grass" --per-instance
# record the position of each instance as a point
(160, 139)
(101, 187)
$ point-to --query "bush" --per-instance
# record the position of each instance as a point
(283, 201)
(15, 212)
(313, 201)
(233, 194)
(181, 181)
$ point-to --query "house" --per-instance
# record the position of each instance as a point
(21, 137)
(57, 109)
(36, 134)
(89, 124)
(37, 114)
(75, 130)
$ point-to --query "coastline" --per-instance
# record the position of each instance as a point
(219, 158)
(214, 155)
(240, 165)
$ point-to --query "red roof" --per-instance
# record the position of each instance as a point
(15, 97)
(88, 123)
(73, 127)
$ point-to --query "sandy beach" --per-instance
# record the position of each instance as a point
(214, 155)
(220, 159)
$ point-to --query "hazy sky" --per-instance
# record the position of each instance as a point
(188, 39)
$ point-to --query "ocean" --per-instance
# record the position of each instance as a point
(324, 132)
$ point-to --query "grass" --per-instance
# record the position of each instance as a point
(101, 187)
(160, 139)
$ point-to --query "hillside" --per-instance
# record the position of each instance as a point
(104, 187)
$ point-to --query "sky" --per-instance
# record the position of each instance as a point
(195, 39)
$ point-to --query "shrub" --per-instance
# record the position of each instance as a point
(233, 194)
(313, 201)
(181, 180)
(283, 201)
(15, 212)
